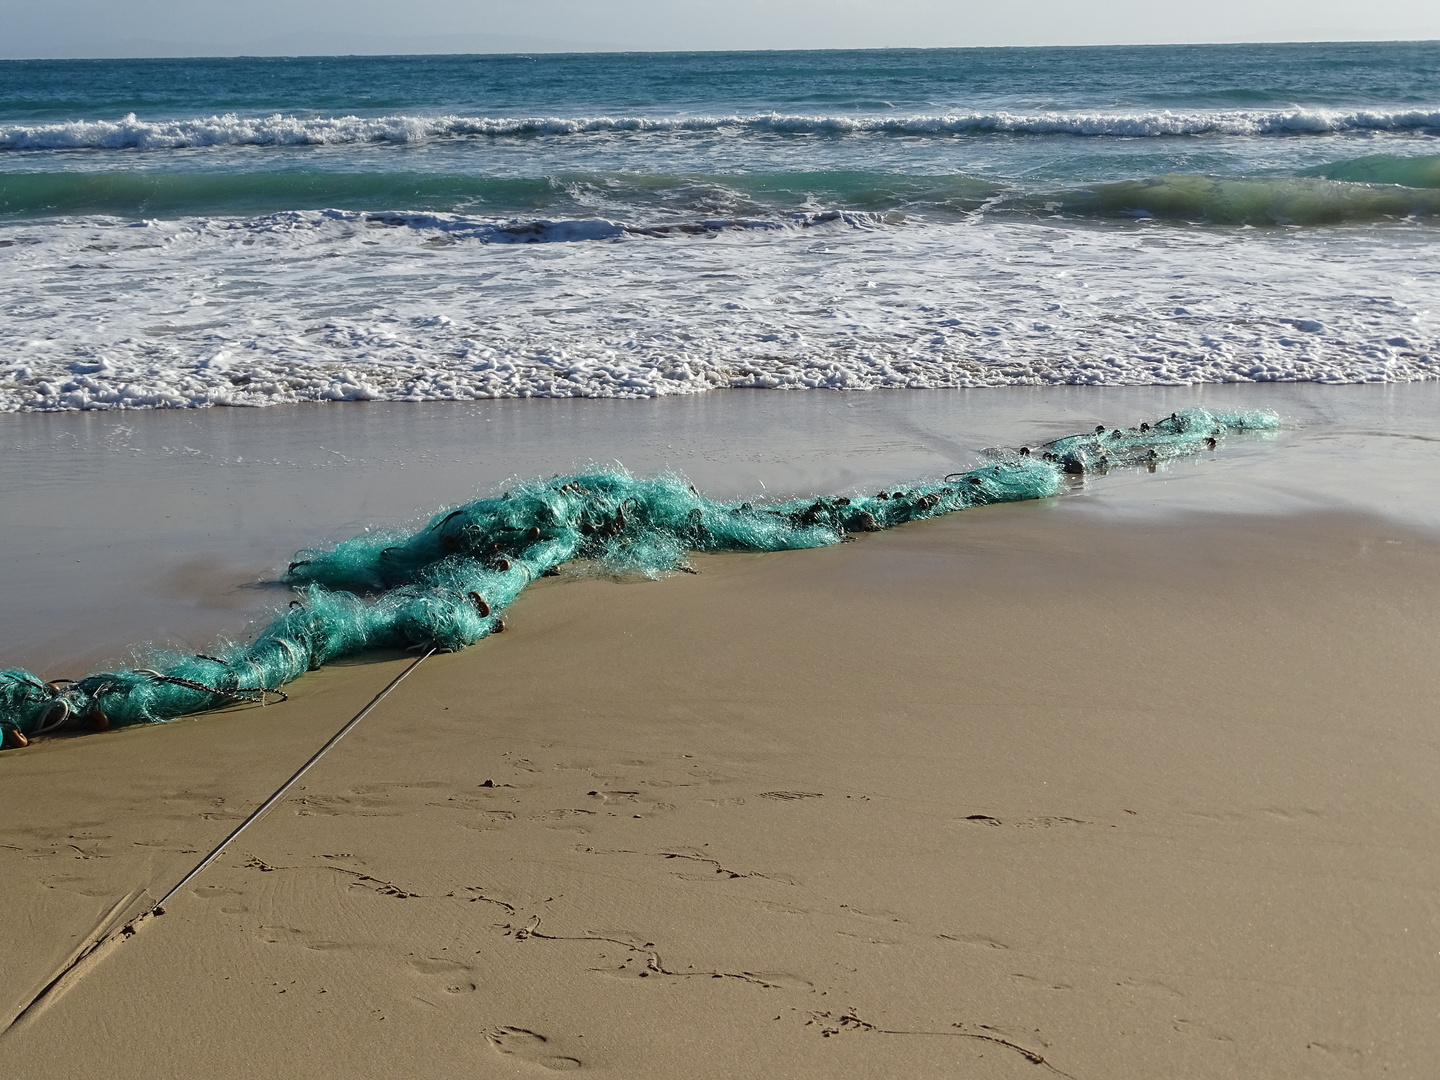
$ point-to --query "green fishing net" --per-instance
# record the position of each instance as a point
(446, 585)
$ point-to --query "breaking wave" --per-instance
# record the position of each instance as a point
(1245, 201)
(608, 206)
(132, 133)
(135, 194)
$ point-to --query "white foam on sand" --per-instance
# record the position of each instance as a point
(326, 305)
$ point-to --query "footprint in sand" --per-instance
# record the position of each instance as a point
(455, 976)
(385, 789)
(78, 884)
(529, 1046)
(233, 899)
(366, 805)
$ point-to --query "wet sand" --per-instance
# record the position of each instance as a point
(1137, 795)
(133, 527)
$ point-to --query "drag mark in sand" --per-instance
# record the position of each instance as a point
(692, 856)
(723, 870)
(379, 885)
(655, 966)
(481, 898)
(787, 795)
(93, 948)
(384, 888)
(979, 940)
(1043, 822)
(832, 1025)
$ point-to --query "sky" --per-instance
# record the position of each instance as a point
(88, 28)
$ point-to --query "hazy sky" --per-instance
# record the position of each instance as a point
(31, 28)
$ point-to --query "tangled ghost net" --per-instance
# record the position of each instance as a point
(446, 585)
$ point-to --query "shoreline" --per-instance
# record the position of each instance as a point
(1112, 792)
(165, 527)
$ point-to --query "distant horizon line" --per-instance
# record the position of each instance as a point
(574, 49)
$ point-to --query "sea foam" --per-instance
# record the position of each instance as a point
(311, 306)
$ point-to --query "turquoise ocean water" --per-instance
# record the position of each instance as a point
(258, 231)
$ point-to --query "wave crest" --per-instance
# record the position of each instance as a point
(567, 230)
(1416, 171)
(1243, 200)
(132, 133)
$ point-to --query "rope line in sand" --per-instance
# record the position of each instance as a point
(103, 940)
(280, 792)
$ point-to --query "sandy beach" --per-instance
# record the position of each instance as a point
(1026, 791)
(374, 344)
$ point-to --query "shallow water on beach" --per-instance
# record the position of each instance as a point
(164, 527)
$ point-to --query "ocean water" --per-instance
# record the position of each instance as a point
(260, 231)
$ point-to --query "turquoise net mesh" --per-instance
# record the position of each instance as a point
(446, 584)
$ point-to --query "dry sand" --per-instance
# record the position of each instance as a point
(1152, 801)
